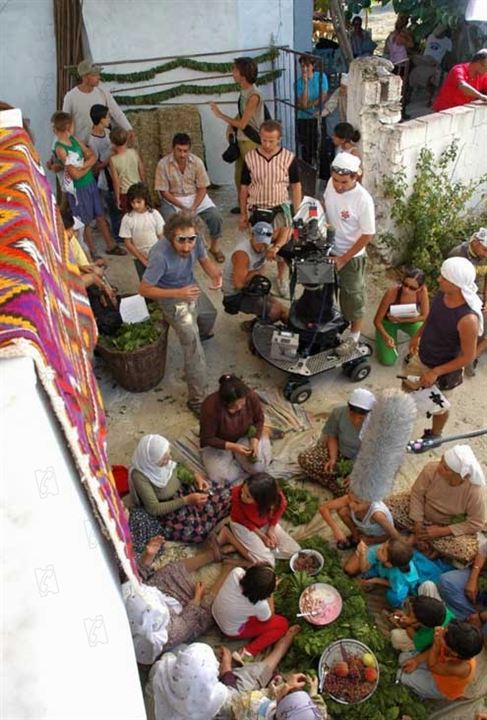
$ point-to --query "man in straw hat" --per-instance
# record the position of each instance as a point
(79, 101)
(349, 209)
(447, 340)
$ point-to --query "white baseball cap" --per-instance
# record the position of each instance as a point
(362, 398)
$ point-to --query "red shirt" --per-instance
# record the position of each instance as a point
(451, 95)
(247, 514)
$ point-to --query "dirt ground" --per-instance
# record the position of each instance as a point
(163, 410)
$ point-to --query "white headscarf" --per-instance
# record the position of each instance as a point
(185, 684)
(149, 618)
(147, 456)
(461, 273)
(461, 459)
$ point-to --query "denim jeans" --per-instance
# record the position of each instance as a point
(212, 218)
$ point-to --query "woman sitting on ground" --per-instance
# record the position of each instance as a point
(170, 500)
(234, 443)
(172, 608)
(447, 505)
(339, 440)
(411, 291)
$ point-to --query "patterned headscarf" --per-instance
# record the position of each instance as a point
(185, 684)
(149, 618)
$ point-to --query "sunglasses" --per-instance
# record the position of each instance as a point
(264, 233)
(185, 238)
(341, 171)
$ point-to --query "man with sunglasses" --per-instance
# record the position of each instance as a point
(350, 210)
(169, 279)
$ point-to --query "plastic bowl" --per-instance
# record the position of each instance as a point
(313, 553)
(343, 650)
(323, 601)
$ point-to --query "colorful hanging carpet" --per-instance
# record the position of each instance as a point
(45, 315)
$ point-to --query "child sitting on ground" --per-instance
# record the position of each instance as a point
(257, 506)
(445, 670)
(416, 628)
(125, 167)
(244, 608)
(368, 521)
(83, 196)
(142, 227)
(389, 565)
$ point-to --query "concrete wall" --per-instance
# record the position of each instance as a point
(66, 642)
(28, 64)
(389, 145)
(172, 27)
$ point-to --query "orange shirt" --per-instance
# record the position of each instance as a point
(452, 686)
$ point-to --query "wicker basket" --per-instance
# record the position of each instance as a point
(138, 370)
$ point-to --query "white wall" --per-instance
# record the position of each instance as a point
(67, 648)
(172, 27)
(28, 64)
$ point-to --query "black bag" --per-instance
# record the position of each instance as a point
(231, 303)
(250, 131)
(232, 153)
(107, 316)
(450, 380)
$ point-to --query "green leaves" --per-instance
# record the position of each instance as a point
(433, 218)
(390, 701)
(302, 505)
(133, 336)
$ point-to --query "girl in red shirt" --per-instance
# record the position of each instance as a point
(257, 506)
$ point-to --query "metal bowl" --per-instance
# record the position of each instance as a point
(342, 650)
(313, 553)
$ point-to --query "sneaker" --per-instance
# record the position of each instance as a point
(428, 434)
(347, 347)
(242, 657)
(283, 288)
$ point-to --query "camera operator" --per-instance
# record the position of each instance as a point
(350, 210)
(269, 172)
(246, 262)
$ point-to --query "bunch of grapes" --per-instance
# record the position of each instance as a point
(351, 687)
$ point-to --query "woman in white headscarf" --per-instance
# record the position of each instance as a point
(170, 500)
(447, 505)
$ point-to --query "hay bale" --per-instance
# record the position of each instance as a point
(155, 130)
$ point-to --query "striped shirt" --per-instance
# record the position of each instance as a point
(269, 178)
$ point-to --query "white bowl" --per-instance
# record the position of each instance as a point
(314, 553)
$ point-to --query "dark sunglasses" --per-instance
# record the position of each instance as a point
(341, 171)
(186, 238)
(263, 233)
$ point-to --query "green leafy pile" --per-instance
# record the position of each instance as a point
(302, 505)
(390, 701)
(133, 336)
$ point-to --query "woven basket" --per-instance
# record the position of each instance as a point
(138, 370)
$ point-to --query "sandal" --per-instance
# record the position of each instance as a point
(217, 255)
(116, 251)
(347, 544)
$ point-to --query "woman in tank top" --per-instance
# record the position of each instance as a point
(250, 113)
(411, 291)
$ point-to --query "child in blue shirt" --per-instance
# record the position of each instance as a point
(390, 565)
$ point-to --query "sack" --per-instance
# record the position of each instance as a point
(232, 153)
(107, 316)
(450, 380)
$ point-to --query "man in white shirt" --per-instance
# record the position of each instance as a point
(79, 101)
(425, 72)
(350, 210)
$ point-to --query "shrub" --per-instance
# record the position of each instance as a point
(433, 218)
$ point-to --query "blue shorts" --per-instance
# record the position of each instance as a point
(87, 203)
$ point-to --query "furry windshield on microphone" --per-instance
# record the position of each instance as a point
(384, 440)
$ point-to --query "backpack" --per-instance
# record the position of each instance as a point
(250, 131)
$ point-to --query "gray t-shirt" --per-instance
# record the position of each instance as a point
(340, 426)
(167, 269)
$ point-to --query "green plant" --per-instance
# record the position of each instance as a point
(390, 701)
(433, 217)
(301, 505)
(133, 336)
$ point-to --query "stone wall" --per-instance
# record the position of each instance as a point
(387, 145)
